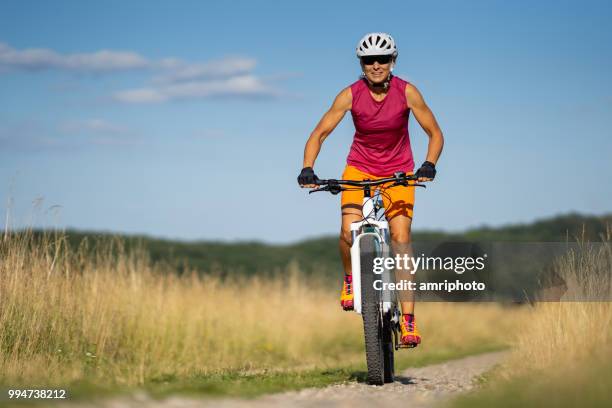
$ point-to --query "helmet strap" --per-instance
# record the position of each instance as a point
(384, 85)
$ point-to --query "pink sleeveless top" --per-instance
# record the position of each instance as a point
(381, 145)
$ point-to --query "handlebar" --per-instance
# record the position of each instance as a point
(336, 186)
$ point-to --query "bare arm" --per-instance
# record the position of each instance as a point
(327, 124)
(428, 122)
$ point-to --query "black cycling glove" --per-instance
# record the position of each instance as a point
(428, 170)
(307, 176)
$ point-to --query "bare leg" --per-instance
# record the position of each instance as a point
(350, 214)
(400, 227)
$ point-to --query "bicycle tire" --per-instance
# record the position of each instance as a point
(370, 312)
(388, 348)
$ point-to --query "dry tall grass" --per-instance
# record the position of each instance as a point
(562, 356)
(113, 317)
(573, 333)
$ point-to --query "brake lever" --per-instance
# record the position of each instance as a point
(405, 184)
(316, 190)
(334, 189)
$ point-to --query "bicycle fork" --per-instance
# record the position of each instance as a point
(380, 230)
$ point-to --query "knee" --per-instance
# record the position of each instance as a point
(401, 237)
(346, 236)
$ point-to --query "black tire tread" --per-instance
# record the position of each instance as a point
(388, 349)
(372, 324)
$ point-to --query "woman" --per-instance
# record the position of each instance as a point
(380, 104)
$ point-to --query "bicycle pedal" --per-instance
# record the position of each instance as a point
(406, 346)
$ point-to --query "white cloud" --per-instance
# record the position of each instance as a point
(169, 69)
(35, 59)
(222, 68)
(244, 85)
(172, 78)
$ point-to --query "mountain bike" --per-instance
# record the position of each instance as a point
(370, 240)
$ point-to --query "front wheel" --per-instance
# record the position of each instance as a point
(388, 348)
(371, 313)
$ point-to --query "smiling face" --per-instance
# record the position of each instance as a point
(376, 69)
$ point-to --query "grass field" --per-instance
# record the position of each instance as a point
(563, 355)
(95, 320)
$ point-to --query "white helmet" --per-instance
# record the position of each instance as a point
(376, 44)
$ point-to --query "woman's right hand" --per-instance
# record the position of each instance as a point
(307, 178)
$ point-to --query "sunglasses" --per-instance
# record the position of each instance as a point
(381, 59)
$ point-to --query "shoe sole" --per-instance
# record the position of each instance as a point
(410, 341)
(347, 305)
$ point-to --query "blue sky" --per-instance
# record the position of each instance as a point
(188, 119)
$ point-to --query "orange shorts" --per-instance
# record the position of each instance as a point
(398, 200)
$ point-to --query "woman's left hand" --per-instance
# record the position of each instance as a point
(427, 171)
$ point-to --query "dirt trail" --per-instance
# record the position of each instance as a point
(415, 387)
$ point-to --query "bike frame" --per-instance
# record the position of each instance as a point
(369, 225)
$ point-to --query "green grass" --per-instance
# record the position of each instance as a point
(250, 385)
(242, 385)
(589, 385)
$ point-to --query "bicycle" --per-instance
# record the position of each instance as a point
(378, 308)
